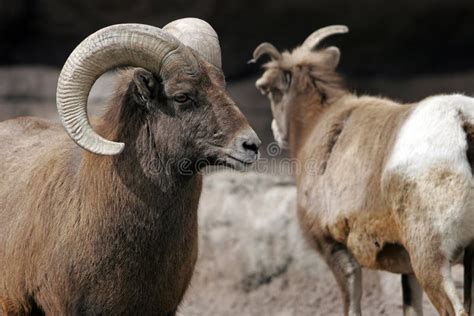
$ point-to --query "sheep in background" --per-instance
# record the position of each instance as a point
(383, 185)
(112, 229)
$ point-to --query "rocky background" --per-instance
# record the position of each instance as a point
(252, 259)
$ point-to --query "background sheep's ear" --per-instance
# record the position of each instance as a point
(333, 56)
(145, 86)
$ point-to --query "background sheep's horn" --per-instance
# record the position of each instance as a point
(198, 35)
(135, 45)
(265, 48)
(316, 37)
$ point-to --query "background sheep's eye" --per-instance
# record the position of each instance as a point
(181, 98)
(276, 95)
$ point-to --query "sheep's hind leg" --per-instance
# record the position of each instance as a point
(434, 274)
(468, 285)
(348, 275)
(412, 296)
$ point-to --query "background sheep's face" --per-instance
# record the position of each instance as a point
(301, 77)
(193, 116)
(275, 84)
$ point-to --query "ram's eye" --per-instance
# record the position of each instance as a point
(181, 98)
(287, 79)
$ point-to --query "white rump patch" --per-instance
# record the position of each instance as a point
(433, 134)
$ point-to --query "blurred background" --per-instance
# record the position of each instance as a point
(401, 49)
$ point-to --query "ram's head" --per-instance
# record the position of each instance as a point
(178, 93)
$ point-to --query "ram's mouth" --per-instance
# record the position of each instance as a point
(237, 159)
(238, 163)
(234, 163)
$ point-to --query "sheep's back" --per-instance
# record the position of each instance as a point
(27, 145)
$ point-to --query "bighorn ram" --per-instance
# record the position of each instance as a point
(112, 230)
(380, 184)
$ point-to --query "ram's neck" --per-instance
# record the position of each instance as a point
(125, 200)
(142, 189)
(144, 170)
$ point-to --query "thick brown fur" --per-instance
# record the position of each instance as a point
(111, 235)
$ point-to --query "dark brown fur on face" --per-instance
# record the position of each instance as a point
(112, 235)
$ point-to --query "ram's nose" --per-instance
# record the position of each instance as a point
(248, 145)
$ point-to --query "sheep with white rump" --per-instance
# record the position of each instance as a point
(387, 186)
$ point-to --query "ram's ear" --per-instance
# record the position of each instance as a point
(145, 86)
(333, 55)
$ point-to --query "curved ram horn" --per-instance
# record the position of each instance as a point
(135, 45)
(198, 35)
(265, 48)
(316, 37)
